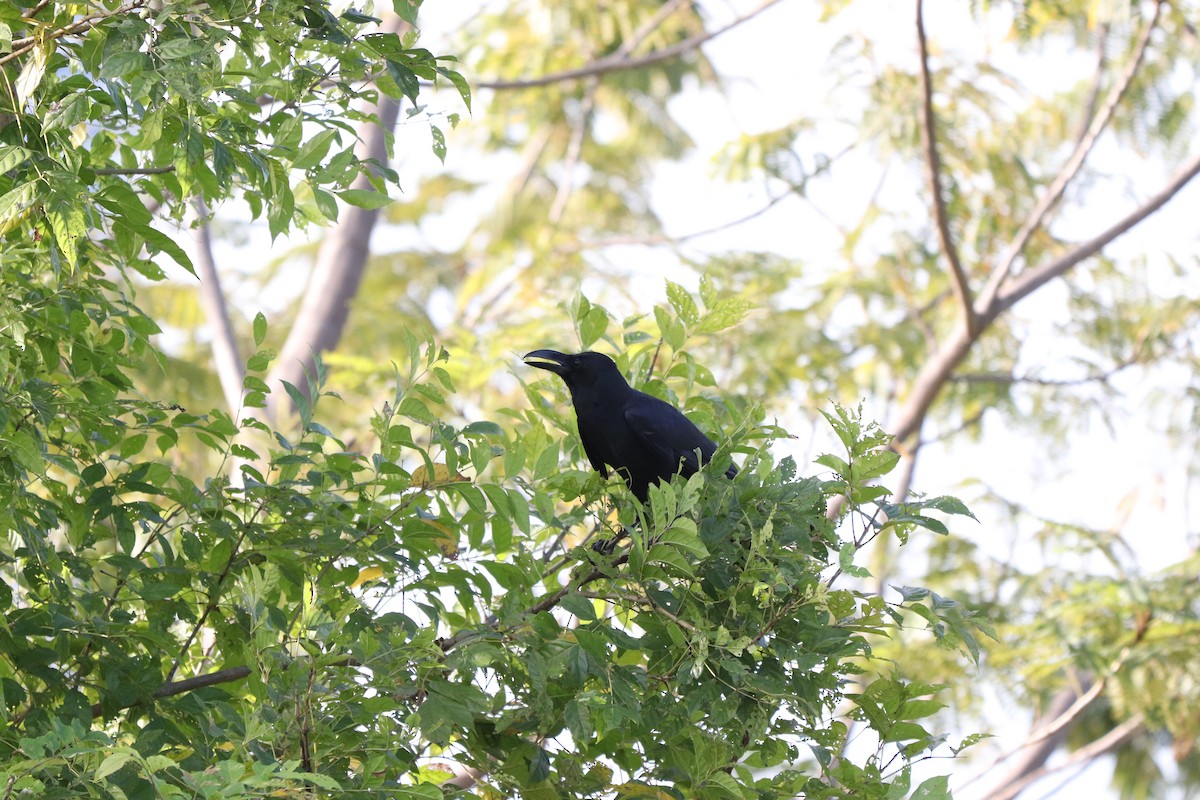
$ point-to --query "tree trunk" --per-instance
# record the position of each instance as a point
(341, 260)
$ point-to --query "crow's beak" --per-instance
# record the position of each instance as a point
(550, 360)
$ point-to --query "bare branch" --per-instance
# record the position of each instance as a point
(1069, 170)
(33, 12)
(649, 26)
(1005, 377)
(1065, 711)
(1105, 744)
(1093, 95)
(574, 151)
(229, 675)
(1027, 282)
(933, 176)
(588, 106)
(135, 170)
(941, 365)
(216, 311)
(618, 62)
(546, 603)
(172, 688)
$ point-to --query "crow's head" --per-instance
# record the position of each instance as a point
(578, 370)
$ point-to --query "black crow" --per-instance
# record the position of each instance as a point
(641, 437)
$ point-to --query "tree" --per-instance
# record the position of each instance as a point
(306, 616)
(1043, 142)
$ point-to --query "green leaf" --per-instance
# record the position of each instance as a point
(936, 788)
(124, 202)
(14, 203)
(69, 225)
(545, 626)
(326, 204)
(405, 79)
(917, 709)
(439, 143)
(484, 427)
(949, 505)
(260, 329)
(159, 242)
(12, 157)
(301, 402)
(685, 307)
(132, 445)
(260, 360)
(69, 112)
(407, 10)
(593, 326)
(911, 594)
(581, 607)
(539, 766)
(364, 199)
(314, 150)
(873, 465)
(112, 763)
(846, 561)
(358, 17)
(460, 83)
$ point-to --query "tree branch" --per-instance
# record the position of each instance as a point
(1027, 282)
(1065, 711)
(1004, 377)
(216, 310)
(588, 106)
(26, 43)
(574, 151)
(618, 62)
(933, 176)
(546, 603)
(172, 688)
(1069, 170)
(940, 367)
(341, 262)
(1106, 743)
(135, 170)
(229, 675)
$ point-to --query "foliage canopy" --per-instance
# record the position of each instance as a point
(315, 615)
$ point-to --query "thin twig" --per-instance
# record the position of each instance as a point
(1106, 743)
(26, 43)
(33, 12)
(545, 604)
(1008, 378)
(609, 64)
(1068, 716)
(134, 170)
(574, 152)
(653, 360)
(991, 292)
(1028, 282)
(933, 175)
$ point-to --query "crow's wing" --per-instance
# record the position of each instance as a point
(667, 433)
(593, 453)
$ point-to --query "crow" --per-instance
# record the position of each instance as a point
(644, 439)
